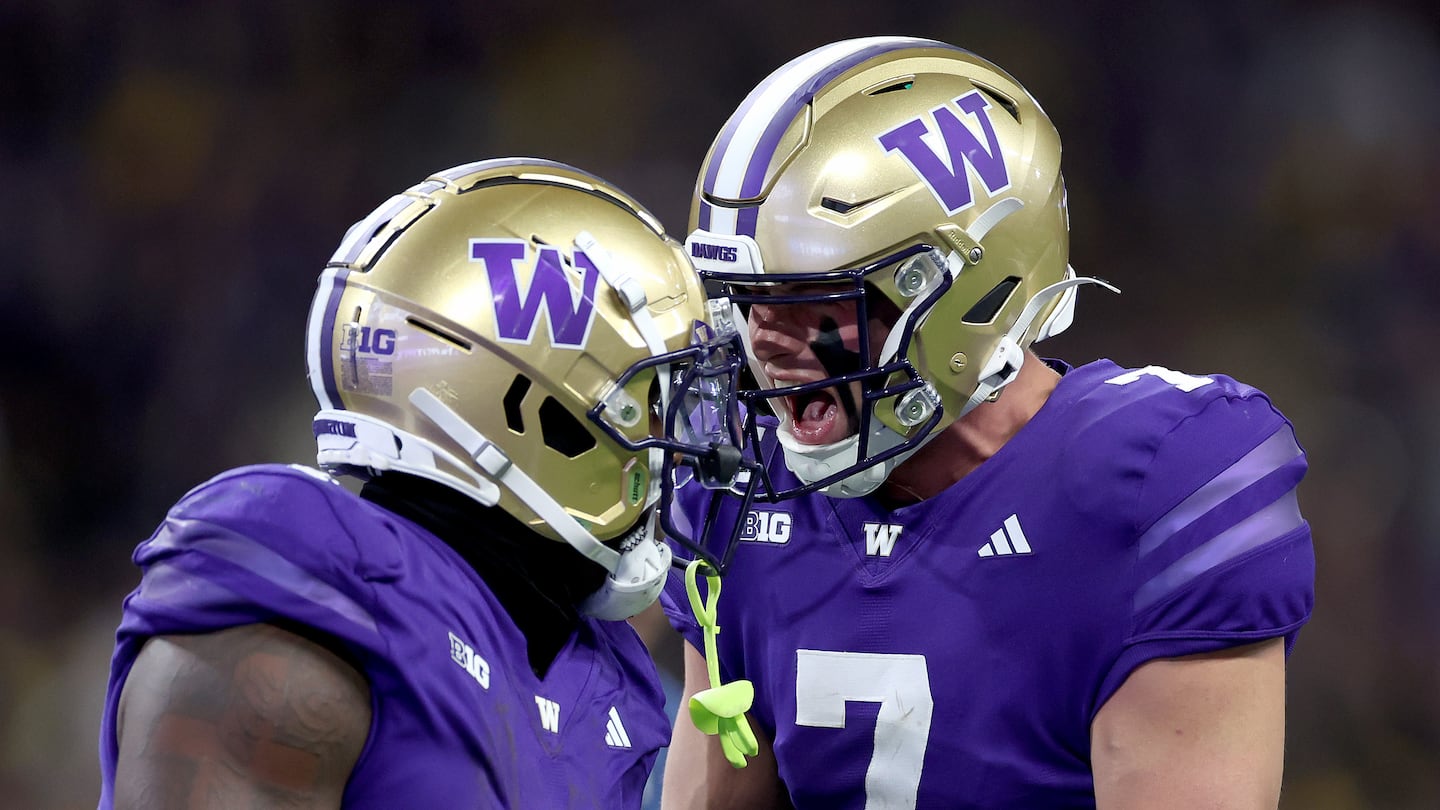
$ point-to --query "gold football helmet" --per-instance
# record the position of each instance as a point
(525, 333)
(924, 184)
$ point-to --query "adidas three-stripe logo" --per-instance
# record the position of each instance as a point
(615, 735)
(1007, 540)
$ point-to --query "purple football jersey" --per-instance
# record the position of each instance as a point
(953, 653)
(460, 720)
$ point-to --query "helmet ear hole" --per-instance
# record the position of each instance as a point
(989, 305)
(519, 387)
(561, 431)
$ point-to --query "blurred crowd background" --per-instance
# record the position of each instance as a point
(1261, 178)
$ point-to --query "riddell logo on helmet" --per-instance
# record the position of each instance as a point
(569, 312)
(719, 253)
(948, 177)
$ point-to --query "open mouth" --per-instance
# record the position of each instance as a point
(817, 418)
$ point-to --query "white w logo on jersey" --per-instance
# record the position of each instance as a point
(549, 714)
(880, 538)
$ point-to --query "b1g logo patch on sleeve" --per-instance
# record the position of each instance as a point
(569, 313)
(946, 171)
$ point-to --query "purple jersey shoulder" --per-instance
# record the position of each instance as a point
(264, 543)
(459, 718)
(1199, 476)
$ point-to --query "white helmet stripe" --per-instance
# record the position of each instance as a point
(721, 220)
(747, 144)
(359, 236)
(319, 355)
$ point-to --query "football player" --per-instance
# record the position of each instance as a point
(973, 577)
(499, 355)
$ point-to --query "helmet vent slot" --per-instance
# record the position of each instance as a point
(1004, 102)
(985, 310)
(562, 432)
(843, 207)
(839, 206)
(519, 387)
(892, 87)
(439, 333)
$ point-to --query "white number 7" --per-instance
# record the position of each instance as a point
(825, 680)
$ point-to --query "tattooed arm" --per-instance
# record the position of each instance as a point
(253, 716)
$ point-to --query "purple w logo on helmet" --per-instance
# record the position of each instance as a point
(517, 311)
(947, 176)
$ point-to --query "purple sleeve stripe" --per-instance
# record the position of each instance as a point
(167, 583)
(1270, 523)
(1237, 508)
(1267, 457)
(214, 541)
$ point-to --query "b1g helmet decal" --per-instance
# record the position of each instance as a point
(924, 184)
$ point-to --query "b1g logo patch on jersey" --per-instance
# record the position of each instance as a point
(517, 311)
(946, 171)
(470, 661)
(766, 527)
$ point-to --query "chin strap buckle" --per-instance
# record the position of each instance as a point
(719, 710)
